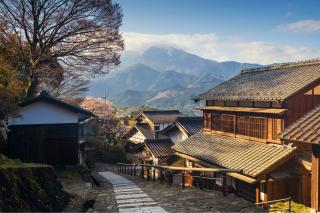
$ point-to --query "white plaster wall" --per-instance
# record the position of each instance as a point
(177, 136)
(137, 138)
(44, 113)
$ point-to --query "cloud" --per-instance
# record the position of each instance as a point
(204, 45)
(210, 46)
(267, 53)
(308, 26)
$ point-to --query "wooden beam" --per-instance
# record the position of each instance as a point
(315, 177)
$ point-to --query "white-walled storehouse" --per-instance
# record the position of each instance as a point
(47, 131)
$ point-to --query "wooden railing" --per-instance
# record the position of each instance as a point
(167, 173)
(267, 205)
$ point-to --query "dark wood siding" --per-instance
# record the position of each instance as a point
(54, 144)
(302, 103)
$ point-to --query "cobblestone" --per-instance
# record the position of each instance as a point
(176, 199)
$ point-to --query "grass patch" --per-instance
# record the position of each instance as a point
(295, 207)
(15, 163)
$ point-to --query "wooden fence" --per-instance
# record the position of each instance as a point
(167, 174)
(269, 208)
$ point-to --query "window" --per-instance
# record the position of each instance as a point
(252, 126)
(216, 121)
(207, 120)
(221, 122)
(227, 123)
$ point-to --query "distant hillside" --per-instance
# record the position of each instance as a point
(163, 78)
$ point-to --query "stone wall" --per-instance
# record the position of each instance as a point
(30, 188)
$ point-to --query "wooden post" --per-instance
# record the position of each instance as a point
(154, 174)
(131, 170)
(148, 173)
(161, 176)
(201, 182)
(135, 170)
(170, 178)
(315, 177)
(183, 180)
(142, 171)
(224, 184)
(289, 210)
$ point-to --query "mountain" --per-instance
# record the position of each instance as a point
(137, 77)
(171, 78)
(169, 58)
(163, 78)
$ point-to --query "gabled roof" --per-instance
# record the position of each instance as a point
(147, 131)
(305, 129)
(44, 96)
(189, 125)
(160, 147)
(161, 116)
(272, 83)
(252, 158)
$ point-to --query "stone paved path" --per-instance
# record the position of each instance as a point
(129, 197)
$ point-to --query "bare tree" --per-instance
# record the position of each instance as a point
(81, 35)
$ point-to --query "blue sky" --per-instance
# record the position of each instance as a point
(243, 30)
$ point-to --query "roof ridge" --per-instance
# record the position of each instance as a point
(276, 66)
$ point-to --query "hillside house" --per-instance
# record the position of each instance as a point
(149, 125)
(47, 131)
(242, 119)
(183, 128)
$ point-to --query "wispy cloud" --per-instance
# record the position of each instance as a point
(308, 26)
(211, 46)
(204, 45)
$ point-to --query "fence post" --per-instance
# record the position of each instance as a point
(142, 171)
(170, 178)
(154, 174)
(224, 184)
(148, 173)
(183, 180)
(289, 204)
(161, 176)
(201, 182)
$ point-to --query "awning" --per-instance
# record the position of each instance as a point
(208, 165)
(253, 158)
(243, 109)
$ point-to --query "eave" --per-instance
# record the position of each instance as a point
(244, 109)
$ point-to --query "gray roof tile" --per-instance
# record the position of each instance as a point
(273, 83)
(252, 158)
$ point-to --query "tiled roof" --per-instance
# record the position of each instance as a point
(147, 131)
(162, 116)
(273, 83)
(252, 158)
(44, 96)
(305, 129)
(191, 125)
(160, 147)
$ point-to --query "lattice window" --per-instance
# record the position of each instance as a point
(227, 123)
(252, 126)
(216, 121)
(257, 127)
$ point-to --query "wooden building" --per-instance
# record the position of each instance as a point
(149, 125)
(183, 128)
(145, 139)
(242, 119)
(305, 134)
(47, 131)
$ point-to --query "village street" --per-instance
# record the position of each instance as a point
(132, 194)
